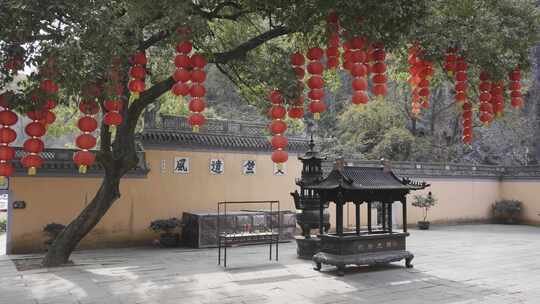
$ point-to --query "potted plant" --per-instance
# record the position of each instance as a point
(507, 211)
(424, 202)
(169, 231)
(52, 230)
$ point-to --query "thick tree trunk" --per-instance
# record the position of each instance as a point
(68, 239)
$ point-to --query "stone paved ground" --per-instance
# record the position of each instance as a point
(458, 264)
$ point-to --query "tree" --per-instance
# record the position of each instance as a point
(249, 41)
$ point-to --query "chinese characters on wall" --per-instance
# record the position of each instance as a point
(181, 165)
(216, 166)
(248, 167)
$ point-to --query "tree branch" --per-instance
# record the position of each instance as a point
(150, 95)
(247, 46)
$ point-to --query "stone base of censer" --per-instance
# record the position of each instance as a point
(306, 248)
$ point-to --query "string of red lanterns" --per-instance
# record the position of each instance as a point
(378, 69)
(296, 107)
(450, 61)
(198, 91)
(182, 61)
(86, 141)
(8, 118)
(316, 82)
(113, 105)
(359, 71)
(33, 146)
(138, 74)
(332, 49)
(516, 99)
(486, 108)
(461, 81)
(467, 123)
(497, 98)
(278, 127)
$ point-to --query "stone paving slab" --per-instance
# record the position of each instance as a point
(453, 264)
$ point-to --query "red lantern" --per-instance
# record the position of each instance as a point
(198, 90)
(84, 159)
(279, 142)
(315, 67)
(196, 120)
(276, 97)
(113, 105)
(6, 153)
(515, 88)
(315, 53)
(85, 141)
(297, 59)
(136, 86)
(184, 47)
(315, 82)
(181, 89)
(278, 112)
(198, 76)
(360, 97)
(198, 61)
(35, 129)
(137, 72)
(139, 58)
(112, 119)
(7, 135)
(296, 112)
(316, 94)
(279, 156)
(278, 127)
(8, 118)
(87, 124)
(197, 105)
(317, 107)
(34, 145)
(6, 169)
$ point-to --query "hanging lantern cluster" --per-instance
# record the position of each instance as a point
(197, 91)
(467, 123)
(421, 71)
(450, 61)
(461, 81)
(359, 70)
(137, 73)
(497, 98)
(378, 69)
(332, 49)
(486, 108)
(316, 82)
(182, 61)
(516, 99)
(113, 105)
(296, 108)
(50, 91)
(33, 146)
(8, 118)
(277, 128)
(86, 141)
